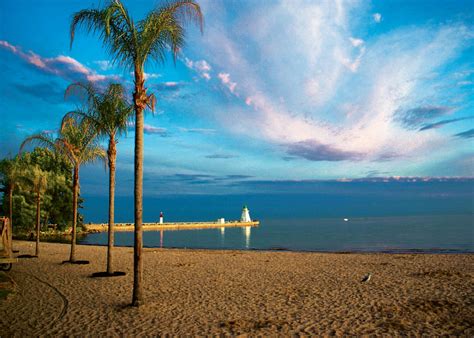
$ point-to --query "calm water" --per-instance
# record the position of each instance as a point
(434, 233)
(395, 216)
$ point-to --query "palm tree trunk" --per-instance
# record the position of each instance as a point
(10, 211)
(112, 154)
(38, 226)
(140, 103)
(75, 188)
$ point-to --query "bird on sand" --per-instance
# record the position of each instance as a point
(366, 278)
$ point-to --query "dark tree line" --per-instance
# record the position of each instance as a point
(56, 200)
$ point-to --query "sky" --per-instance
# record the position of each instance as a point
(272, 91)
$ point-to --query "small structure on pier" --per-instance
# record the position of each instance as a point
(245, 215)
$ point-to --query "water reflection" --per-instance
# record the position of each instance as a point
(161, 238)
(247, 233)
(222, 236)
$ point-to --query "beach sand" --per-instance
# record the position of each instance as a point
(201, 292)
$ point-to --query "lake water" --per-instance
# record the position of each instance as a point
(383, 217)
(453, 233)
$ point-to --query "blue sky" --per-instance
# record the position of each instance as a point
(276, 91)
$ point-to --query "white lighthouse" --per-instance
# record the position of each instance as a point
(245, 215)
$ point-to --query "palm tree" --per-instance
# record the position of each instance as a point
(132, 45)
(38, 180)
(11, 173)
(109, 113)
(77, 141)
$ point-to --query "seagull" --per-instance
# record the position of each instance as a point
(366, 278)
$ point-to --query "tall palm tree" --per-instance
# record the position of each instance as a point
(109, 113)
(132, 45)
(11, 173)
(78, 142)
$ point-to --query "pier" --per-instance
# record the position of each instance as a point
(103, 227)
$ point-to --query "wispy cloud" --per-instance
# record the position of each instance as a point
(49, 92)
(169, 86)
(226, 81)
(206, 131)
(413, 118)
(356, 42)
(202, 67)
(62, 66)
(150, 130)
(221, 156)
(149, 76)
(104, 64)
(377, 17)
(314, 151)
(466, 134)
(439, 124)
(326, 94)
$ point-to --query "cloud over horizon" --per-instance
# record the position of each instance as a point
(62, 66)
(321, 100)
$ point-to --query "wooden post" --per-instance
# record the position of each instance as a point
(6, 245)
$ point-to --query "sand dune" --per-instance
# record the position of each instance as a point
(201, 292)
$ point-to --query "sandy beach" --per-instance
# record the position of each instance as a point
(199, 292)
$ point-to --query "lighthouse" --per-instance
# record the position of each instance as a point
(161, 217)
(245, 215)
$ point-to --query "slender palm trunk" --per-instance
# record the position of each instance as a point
(140, 102)
(10, 211)
(112, 154)
(75, 189)
(38, 226)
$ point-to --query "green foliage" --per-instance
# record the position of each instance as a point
(47, 171)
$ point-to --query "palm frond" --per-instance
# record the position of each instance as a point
(163, 28)
(151, 102)
(107, 111)
(83, 91)
(114, 27)
(41, 139)
(94, 154)
(92, 20)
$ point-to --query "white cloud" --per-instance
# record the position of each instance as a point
(225, 79)
(339, 91)
(356, 42)
(352, 64)
(202, 67)
(152, 76)
(377, 17)
(63, 66)
(104, 64)
(206, 131)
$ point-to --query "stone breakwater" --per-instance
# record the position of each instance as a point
(102, 227)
